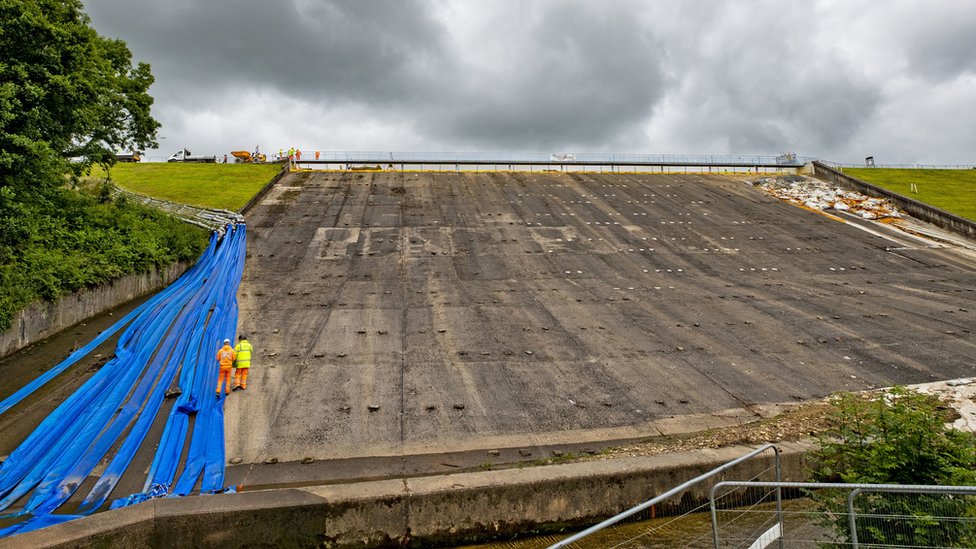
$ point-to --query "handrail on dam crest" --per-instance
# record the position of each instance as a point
(388, 157)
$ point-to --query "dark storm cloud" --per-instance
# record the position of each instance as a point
(750, 83)
(322, 51)
(940, 43)
(831, 79)
(587, 76)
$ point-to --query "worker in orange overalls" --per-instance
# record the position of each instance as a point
(225, 357)
(242, 363)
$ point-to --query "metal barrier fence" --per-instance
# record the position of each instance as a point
(450, 167)
(842, 515)
(503, 158)
(677, 495)
(912, 166)
(394, 157)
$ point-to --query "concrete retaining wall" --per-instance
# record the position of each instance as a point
(419, 512)
(916, 209)
(44, 318)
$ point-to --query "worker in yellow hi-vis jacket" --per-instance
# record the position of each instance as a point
(242, 362)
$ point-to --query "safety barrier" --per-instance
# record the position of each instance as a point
(359, 157)
(175, 332)
(678, 492)
(843, 515)
(913, 166)
(371, 161)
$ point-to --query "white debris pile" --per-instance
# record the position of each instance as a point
(958, 393)
(819, 195)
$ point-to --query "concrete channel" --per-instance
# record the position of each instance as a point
(409, 326)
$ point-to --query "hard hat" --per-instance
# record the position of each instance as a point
(226, 342)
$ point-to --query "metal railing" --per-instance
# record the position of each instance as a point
(843, 515)
(914, 166)
(537, 157)
(396, 157)
(680, 489)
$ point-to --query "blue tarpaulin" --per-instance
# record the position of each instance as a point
(171, 338)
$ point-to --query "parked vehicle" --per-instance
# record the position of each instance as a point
(134, 156)
(184, 155)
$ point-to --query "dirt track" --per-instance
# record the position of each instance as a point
(479, 311)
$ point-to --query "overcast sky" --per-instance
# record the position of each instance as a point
(838, 79)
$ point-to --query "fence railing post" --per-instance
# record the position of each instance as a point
(779, 497)
(852, 518)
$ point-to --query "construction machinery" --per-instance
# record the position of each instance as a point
(247, 157)
(134, 156)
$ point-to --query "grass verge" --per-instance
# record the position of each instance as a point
(951, 190)
(226, 186)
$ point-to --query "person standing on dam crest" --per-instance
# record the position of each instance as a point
(243, 362)
(225, 358)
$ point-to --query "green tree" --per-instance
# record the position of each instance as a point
(65, 93)
(898, 437)
(69, 98)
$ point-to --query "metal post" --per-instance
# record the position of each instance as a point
(779, 498)
(850, 516)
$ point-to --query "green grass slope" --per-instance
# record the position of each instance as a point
(951, 190)
(227, 186)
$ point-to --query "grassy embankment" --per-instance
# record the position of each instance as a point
(226, 186)
(951, 190)
(57, 240)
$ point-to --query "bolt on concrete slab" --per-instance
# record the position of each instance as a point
(420, 313)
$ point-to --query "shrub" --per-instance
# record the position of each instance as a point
(899, 437)
(56, 241)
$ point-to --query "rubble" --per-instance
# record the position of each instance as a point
(802, 421)
(820, 196)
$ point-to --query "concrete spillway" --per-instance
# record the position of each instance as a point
(413, 324)
(400, 315)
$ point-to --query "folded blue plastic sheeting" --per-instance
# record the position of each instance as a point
(172, 337)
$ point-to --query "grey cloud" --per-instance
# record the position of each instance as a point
(756, 76)
(326, 51)
(941, 44)
(769, 88)
(587, 76)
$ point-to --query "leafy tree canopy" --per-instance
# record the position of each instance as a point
(65, 93)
